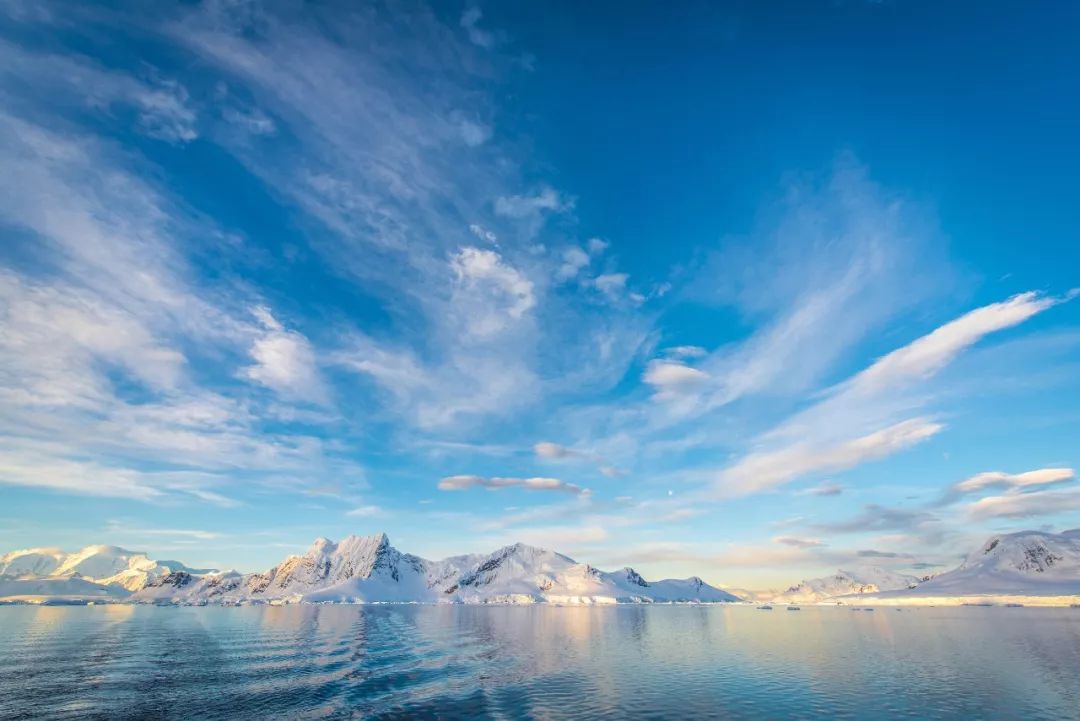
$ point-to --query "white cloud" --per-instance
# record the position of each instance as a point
(546, 449)
(611, 284)
(164, 112)
(102, 329)
(22, 468)
(483, 233)
(24, 463)
(492, 293)
(554, 451)
(686, 351)
(398, 371)
(823, 489)
(364, 511)
(470, 20)
(461, 483)
(162, 106)
(140, 532)
(930, 353)
(531, 206)
(376, 163)
(474, 134)
(1025, 505)
(832, 263)
(883, 388)
(574, 259)
(1029, 479)
(284, 361)
(672, 379)
(55, 337)
(766, 469)
(821, 438)
(252, 121)
(798, 542)
(1025, 495)
(597, 246)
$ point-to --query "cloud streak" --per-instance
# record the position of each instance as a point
(813, 437)
(1025, 505)
(554, 451)
(760, 471)
(463, 483)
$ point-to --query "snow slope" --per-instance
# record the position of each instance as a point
(863, 580)
(367, 569)
(57, 588)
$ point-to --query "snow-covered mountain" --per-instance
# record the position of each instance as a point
(98, 564)
(1027, 563)
(863, 580)
(367, 569)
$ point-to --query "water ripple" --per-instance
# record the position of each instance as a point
(417, 662)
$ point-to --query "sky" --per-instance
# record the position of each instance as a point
(751, 291)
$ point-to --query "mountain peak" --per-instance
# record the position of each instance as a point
(1025, 552)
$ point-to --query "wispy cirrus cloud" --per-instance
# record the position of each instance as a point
(767, 469)
(882, 388)
(929, 354)
(825, 243)
(410, 192)
(813, 440)
(114, 340)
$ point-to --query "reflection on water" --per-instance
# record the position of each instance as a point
(637, 662)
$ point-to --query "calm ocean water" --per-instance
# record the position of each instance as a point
(629, 662)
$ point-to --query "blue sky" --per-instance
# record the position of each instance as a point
(747, 290)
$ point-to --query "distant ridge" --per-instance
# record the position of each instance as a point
(1013, 567)
(1022, 564)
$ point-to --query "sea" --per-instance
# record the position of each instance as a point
(538, 662)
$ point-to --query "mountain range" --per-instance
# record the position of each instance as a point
(368, 569)
(357, 569)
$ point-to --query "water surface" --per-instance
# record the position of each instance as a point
(627, 662)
